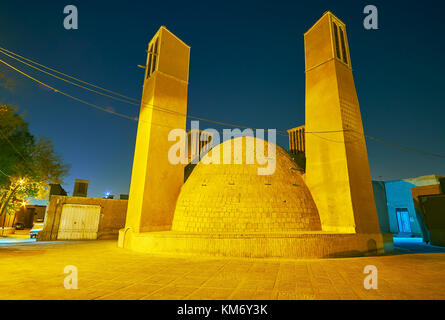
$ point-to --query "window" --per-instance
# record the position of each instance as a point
(152, 58)
(340, 42)
(343, 46)
(81, 188)
(155, 56)
(337, 47)
(149, 61)
(304, 140)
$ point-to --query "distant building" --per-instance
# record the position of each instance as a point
(56, 190)
(30, 214)
(297, 140)
(198, 143)
(429, 203)
(81, 218)
(404, 219)
(25, 215)
(231, 209)
(433, 210)
(80, 188)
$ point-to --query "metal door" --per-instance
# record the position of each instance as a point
(403, 220)
(79, 222)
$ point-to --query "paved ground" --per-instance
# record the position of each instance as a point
(36, 271)
(416, 245)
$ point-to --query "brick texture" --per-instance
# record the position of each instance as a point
(233, 198)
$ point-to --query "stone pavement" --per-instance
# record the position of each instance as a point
(36, 271)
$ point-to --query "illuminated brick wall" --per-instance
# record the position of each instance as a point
(230, 198)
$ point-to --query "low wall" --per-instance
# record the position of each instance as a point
(112, 217)
(6, 230)
(434, 210)
(289, 245)
(381, 205)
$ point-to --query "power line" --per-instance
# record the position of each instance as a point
(120, 114)
(154, 107)
(12, 145)
(283, 133)
(231, 125)
(70, 82)
(336, 141)
(132, 103)
(71, 77)
(382, 141)
(406, 148)
(329, 131)
(67, 95)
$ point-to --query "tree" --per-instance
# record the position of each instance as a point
(27, 165)
(6, 83)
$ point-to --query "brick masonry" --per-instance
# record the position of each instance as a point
(112, 218)
(221, 198)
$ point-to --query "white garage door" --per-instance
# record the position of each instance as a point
(79, 222)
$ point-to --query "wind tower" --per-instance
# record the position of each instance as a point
(337, 169)
(155, 182)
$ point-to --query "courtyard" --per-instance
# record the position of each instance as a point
(35, 270)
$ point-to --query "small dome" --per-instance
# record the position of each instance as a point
(234, 198)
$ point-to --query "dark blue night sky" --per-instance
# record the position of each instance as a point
(247, 68)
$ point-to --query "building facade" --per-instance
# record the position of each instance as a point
(432, 207)
(80, 188)
(229, 208)
(81, 218)
(404, 219)
(297, 140)
(199, 142)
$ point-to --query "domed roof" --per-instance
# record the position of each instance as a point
(234, 198)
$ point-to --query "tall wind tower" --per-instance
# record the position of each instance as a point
(155, 182)
(337, 170)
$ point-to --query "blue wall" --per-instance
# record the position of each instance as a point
(398, 195)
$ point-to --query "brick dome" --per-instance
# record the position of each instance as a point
(234, 198)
